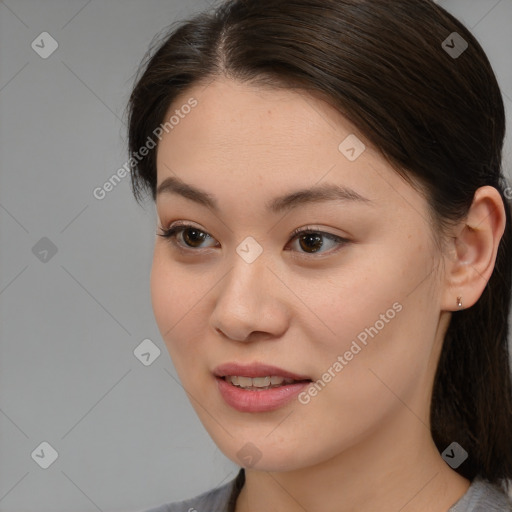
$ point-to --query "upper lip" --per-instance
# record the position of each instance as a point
(255, 370)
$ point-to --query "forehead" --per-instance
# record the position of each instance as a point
(247, 119)
(265, 142)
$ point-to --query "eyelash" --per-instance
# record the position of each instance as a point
(171, 233)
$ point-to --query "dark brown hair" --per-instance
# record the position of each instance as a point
(437, 118)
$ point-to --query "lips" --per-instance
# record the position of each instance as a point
(256, 370)
(256, 399)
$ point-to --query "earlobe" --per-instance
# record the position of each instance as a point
(473, 253)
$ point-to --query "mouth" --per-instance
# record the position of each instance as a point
(260, 383)
(258, 376)
(257, 387)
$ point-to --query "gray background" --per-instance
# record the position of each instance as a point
(126, 436)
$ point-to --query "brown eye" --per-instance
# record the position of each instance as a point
(311, 242)
(185, 236)
(193, 237)
(190, 238)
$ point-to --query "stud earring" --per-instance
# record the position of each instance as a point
(459, 302)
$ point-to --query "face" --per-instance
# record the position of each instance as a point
(350, 308)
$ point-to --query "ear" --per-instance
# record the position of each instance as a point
(472, 252)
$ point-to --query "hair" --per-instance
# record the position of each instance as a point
(439, 121)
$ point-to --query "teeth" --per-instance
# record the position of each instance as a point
(257, 382)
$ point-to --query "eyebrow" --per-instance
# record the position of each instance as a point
(315, 194)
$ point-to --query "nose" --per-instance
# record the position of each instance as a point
(250, 303)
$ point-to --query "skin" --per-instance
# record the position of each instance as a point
(363, 443)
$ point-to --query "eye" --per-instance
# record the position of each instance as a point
(190, 236)
(313, 241)
(187, 237)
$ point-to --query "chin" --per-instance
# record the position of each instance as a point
(261, 454)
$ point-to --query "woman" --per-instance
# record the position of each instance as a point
(332, 274)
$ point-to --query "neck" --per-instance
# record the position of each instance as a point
(408, 475)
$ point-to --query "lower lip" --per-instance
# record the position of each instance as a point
(246, 400)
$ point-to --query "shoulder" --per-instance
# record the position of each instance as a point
(214, 500)
(483, 496)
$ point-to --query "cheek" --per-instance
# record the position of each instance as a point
(388, 327)
(169, 298)
(176, 301)
(381, 309)
(163, 289)
(356, 303)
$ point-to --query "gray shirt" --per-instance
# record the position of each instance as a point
(481, 496)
